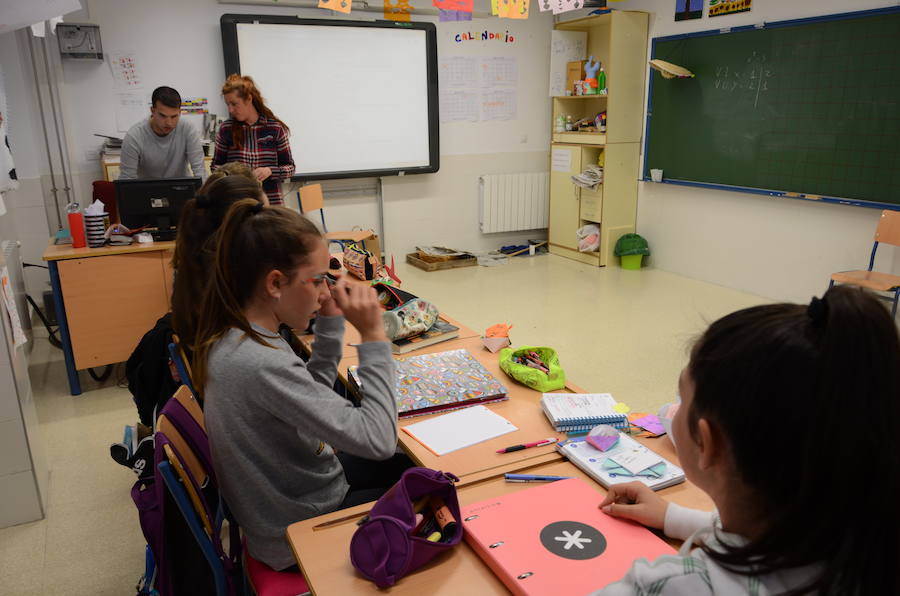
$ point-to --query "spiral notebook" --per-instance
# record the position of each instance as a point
(575, 412)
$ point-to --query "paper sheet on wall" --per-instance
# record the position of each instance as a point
(459, 106)
(8, 299)
(457, 72)
(126, 71)
(499, 104)
(561, 160)
(565, 47)
(130, 108)
(499, 72)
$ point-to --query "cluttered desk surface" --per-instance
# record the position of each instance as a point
(59, 252)
(322, 544)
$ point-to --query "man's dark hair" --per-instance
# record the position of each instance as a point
(166, 96)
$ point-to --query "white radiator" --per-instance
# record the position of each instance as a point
(512, 202)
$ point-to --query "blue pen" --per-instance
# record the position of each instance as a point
(533, 478)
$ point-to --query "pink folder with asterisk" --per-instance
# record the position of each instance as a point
(552, 539)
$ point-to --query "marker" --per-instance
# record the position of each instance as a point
(434, 537)
(533, 478)
(540, 443)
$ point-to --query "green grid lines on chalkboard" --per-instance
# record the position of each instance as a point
(812, 108)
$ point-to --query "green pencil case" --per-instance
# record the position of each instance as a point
(532, 377)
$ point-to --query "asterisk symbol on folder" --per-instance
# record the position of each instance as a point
(572, 539)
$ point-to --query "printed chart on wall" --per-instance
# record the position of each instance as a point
(477, 89)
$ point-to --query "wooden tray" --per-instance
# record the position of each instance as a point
(413, 259)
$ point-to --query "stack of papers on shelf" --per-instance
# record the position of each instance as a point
(111, 145)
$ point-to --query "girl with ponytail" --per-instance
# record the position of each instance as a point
(254, 136)
(788, 421)
(274, 422)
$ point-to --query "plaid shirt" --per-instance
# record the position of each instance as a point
(265, 145)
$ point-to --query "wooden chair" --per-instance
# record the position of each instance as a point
(310, 199)
(888, 232)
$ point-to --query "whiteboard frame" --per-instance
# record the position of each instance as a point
(645, 172)
(231, 53)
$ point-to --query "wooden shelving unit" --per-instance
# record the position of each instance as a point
(619, 40)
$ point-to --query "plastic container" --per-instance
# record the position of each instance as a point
(632, 262)
(76, 225)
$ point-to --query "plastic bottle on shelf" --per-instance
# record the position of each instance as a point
(570, 125)
(76, 225)
(560, 124)
(601, 81)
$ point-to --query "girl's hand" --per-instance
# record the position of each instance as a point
(361, 308)
(636, 501)
(262, 173)
(328, 307)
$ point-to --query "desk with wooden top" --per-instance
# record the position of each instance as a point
(322, 544)
(106, 299)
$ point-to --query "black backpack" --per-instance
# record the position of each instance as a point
(147, 370)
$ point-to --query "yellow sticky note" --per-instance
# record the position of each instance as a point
(343, 6)
(495, 7)
(621, 408)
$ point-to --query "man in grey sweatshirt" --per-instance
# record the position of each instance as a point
(161, 147)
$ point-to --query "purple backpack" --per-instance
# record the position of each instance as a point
(390, 542)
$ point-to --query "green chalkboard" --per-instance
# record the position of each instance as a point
(804, 107)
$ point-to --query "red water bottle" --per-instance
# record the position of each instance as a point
(76, 225)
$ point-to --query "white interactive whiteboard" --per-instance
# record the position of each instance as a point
(359, 97)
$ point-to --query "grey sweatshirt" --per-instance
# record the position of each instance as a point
(145, 154)
(274, 422)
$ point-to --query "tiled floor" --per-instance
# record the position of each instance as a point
(619, 331)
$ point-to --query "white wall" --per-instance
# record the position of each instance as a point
(785, 249)
(179, 44)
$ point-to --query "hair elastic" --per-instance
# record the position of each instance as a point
(203, 201)
(257, 208)
(817, 310)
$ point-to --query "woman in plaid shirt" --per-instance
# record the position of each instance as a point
(254, 136)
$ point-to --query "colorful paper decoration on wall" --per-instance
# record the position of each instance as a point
(397, 11)
(454, 10)
(688, 9)
(717, 8)
(343, 6)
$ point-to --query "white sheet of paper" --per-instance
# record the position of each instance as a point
(561, 160)
(636, 460)
(9, 300)
(462, 428)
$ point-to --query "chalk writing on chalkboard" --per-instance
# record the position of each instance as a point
(753, 77)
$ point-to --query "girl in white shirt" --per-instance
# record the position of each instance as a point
(788, 422)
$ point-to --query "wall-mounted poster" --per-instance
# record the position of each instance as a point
(718, 8)
(688, 9)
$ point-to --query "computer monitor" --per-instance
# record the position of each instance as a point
(154, 203)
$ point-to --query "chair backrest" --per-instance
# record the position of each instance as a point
(190, 416)
(311, 198)
(182, 364)
(185, 457)
(888, 230)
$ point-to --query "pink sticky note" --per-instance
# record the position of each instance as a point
(603, 442)
(650, 423)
